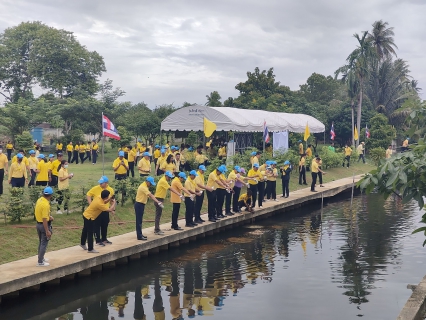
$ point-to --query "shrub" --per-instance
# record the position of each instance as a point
(24, 141)
(329, 158)
(16, 207)
(376, 154)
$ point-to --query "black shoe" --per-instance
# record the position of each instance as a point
(198, 221)
(217, 218)
(286, 196)
(189, 226)
(305, 184)
(221, 216)
(201, 220)
(314, 191)
(194, 223)
(212, 220)
(177, 228)
(143, 238)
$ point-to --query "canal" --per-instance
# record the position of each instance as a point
(341, 262)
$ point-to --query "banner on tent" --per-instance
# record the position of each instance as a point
(280, 142)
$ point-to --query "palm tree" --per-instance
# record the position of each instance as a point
(213, 99)
(381, 38)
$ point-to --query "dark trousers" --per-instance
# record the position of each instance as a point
(82, 156)
(253, 188)
(175, 215)
(131, 169)
(189, 211)
(237, 191)
(286, 190)
(302, 175)
(361, 156)
(139, 210)
(87, 232)
(348, 160)
(94, 156)
(320, 177)
(101, 227)
(1, 180)
(42, 241)
(120, 176)
(69, 156)
(158, 213)
(17, 182)
(271, 190)
(89, 155)
(228, 197)
(220, 199)
(261, 189)
(241, 204)
(198, 205)
(75, 157)
(54, 181)
(9, 154)
(41, 183)
(314, 180)
(32, 179)
(211, 208)
(63, 196)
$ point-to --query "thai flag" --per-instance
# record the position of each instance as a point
(265, 132)
(332, 134)
(108, 129)
(367, 132)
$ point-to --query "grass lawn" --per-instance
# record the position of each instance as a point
(19, 239)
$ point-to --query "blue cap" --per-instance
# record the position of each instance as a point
(169, 174)
(274, 162)
(163, 150)
(253, 153)
(146, 154)
(19, 156)
(103, 179)
(193, 173)
(164, 147)
(221, 169)
(51, 155)
(182, 175)
(299, 141)
(256, 165)
(286, 162)
(172, 147)
(31, 152)
(268, 162)
(237, 168)
(48, 191)
(121, 153)
(202, 167)
(41, 156)
(190, 149)
(157, 146)
(151, 180)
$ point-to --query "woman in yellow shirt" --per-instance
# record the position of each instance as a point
(95, 150)
(169, 164)
(42, 171)
(302, 169)
(131, 157)
(75, 153)
(9, 149)
(63, 186)
(82, 152)
(70, 148)
(88, 151)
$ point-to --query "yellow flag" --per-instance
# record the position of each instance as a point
(307, 133)
(355, 134)
(209, 127)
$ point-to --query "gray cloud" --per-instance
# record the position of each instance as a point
(174, 51)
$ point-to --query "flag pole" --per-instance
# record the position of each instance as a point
(264, 127)
(103, 146)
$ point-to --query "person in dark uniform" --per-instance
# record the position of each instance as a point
(139, 312)
(285, 178)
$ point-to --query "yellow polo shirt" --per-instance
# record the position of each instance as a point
(76, 147)
(274, 177)
(33, 161)
(388, 153)
(200, 158)
(131, 156)
(254, 160)
(9, 146)
(43, 174)
(309, 152)
(244, 197)
(97, 190)
(82, 148)
(348, 151)
(254, 174)
(95, 208)
(18, 170)
(121, 169)
(142, 193)
(168, 166)
(314, 167)
(157, 153)
(42, 209)
(24, 160)
(200, 178)
(190, 186)
(211, 180)
(232, 176)
(59, 146)
(95, 147)
(177, 185)
(62, 185)
(160, 160)
(300, 148)
(144, 166)
(162, 187)
(70, 147)
(3, 161)
(54, 167)
(302, 161)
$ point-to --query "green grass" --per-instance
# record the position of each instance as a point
(19, 239)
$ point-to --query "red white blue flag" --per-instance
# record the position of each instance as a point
(108, 129)
(367, 132)
(265, 132)
(332, 134)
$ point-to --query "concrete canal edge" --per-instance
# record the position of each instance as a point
(65, 264)
(415, 307)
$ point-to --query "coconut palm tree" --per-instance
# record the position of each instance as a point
(382, 40)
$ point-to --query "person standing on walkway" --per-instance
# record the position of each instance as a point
(120, 166)
(239, 183)
(255, 176)
(233, 178)
(285, 178)
(213, 182)
(199, 199)
(99, 205)
(193, 191)
(18, 172)
(319, 171)
(42, 171)
(4, 168)
(33, 161)
(271, 182)
(75, 153)
(302, 169)
(221, 192)
(160, 195)
(144, 165)
(314, 170)
(141, 199)
(361, 152)
(95, 150)
(101, 223)
(63, 186)
(348, 152)
(177, 200)
(9, 149)
(44, 231)
(70, 148)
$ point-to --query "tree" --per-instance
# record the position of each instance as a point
(320, 88)
(24, 141)
(381, 132)
(16, 117)
(213, 99)
(382, 40)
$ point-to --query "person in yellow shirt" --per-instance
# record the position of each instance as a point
(176, 200)
(59, 146)
(33, 161)
(43, 218)
(24, 159)
(82, 152)
(75, 153)
(302, 169)
(160, 160)
(300, 147)
(285, 178)
(42, 171)
(309, 151)
(245, 201)
(9, 149)
(120, 166)
(63, 186)
(389, 152)
(70, 149)
(168, 165)
(156, 154)
(199, 199)
(255, 176)
(18, 172)
(95, 150)
(200, 158)
(361, 151)
(144, 165)
(193, 189)
(233, 177)
(53, 174)
(222, 152)
(4, 168)
(347, 158)
(314, 170)
(91, 214)
(141, 199)
(213, 182)
(271, 182)
(131, 157)
(88, 148)
(405, 145)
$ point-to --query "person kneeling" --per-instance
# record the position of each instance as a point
(245, 201)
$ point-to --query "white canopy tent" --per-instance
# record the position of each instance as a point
(239, 120)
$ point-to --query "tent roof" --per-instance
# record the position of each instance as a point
(242, 120)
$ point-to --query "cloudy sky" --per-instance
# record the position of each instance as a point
(169, 51)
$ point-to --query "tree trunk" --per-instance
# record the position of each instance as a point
(358, 114)
(353, 121)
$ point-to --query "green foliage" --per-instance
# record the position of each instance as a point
(16, 207)
(121, 188)
(320, 89)
(75, 136)
(125, 139)
(79, 198)
(382, 133)
(213, 99)
(377, 154)
(16, 117)
(329, 158)
(24, 141)
(192, 139)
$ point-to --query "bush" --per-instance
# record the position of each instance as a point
(75, 136)
(376, 154)
(16, 207)
(329, 158)
(24, 141)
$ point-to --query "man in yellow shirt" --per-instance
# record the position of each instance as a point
(18, 172)
(176, 200)
(255, 176)
(199, 199)
(245, 201)
(42, 171)
(75, 153)
(193, 189)
(309, 151)
(348, 153)
(271, 182)
(59, 146)
(82, 152)
(361, 151)
(88, 148)
(44, 231)
(160, 195)
(120, 166)
(91, 214)
(213, 181)
(222, 152)
(300, 147)
(315, 169)
(33, 166)
(70, 148)
(53, 181)
(256, 158)
(200, 158)
(405, 145)
(9, 149)
(233, 177)
(144, 165)
(4, 167)
(302, 169)
(141, 199)
(95, 150)
(131, 156)
(161, 158)
(101, 223)
(157, 154)
(389, 152)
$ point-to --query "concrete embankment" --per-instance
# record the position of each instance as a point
(415, 307)
(65, 264)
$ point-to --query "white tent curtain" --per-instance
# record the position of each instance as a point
(280, 142)
(239, 120)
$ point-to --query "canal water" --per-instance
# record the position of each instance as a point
(339, 263)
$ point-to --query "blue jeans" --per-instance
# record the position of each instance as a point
(139, 210)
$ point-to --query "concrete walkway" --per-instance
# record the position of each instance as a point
(65, 263)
